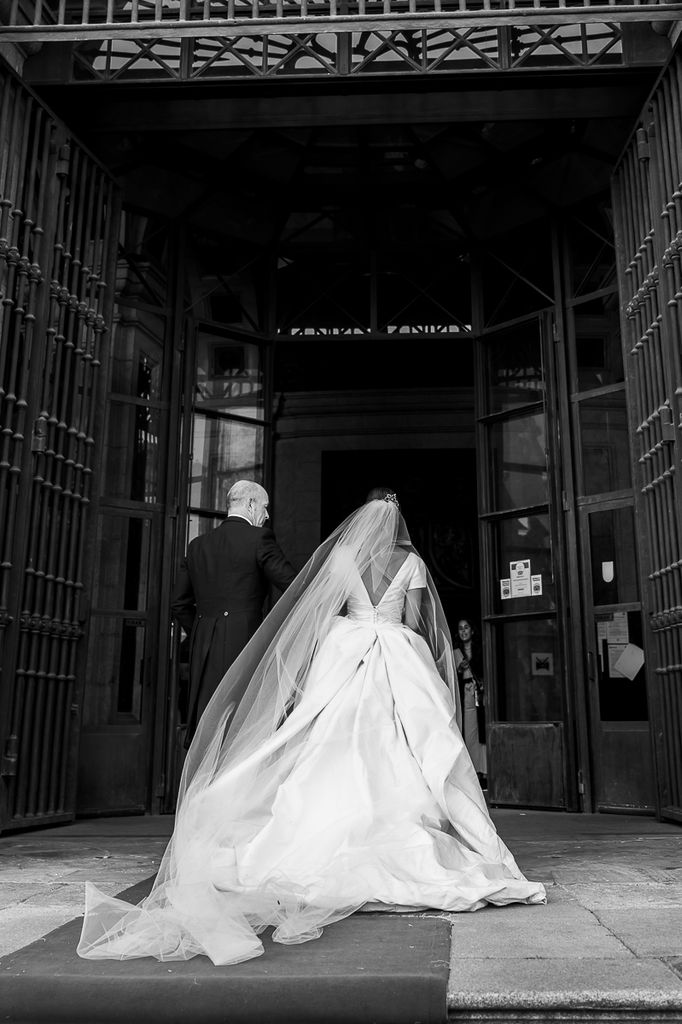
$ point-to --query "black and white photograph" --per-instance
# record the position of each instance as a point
(340, 511)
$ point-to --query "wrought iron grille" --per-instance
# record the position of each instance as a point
(151, 19)
(332, 54)
(57, 224)
(648, 192)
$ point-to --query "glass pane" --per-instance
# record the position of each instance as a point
(516, 279)
(591, 251)
(605, 444)
(132, 455)
(598, 352)
(518, 462)
(221, 287)
(141, 271)
(529, 671)
(131, 668)
(229, 375)
(612, 548)
(137, 353)
(524, 559)
(515, 371)
(115, 669)
(621, 680)
(200, 524)
(122, 580)
(223, 451)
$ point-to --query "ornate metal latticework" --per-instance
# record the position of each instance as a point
(137, 19)
(371, 52)
(56, 223)
(648, 190)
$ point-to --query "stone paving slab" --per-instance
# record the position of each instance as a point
(648, 932)
(513, 982)
(635, 896)
(558, 930)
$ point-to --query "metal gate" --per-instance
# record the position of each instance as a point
(58, 215)
(647, 190)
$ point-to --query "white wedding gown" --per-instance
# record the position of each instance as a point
(379, 808)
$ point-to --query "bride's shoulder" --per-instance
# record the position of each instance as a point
(416, 567)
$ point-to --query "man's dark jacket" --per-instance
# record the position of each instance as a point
(218, 600)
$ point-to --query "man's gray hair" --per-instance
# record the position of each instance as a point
(243, 491)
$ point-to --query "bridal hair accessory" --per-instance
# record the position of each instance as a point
(393, 498)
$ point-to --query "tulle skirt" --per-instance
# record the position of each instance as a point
(364, 797)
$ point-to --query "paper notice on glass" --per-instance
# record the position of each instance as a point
(630, 661)
(615, 652)
(617, 629)
(519, 573)
(505, 589)
(536, 586)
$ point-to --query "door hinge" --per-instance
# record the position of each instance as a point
(8, 765)
(581, 782)
(555, 330)
(667, 424)
(564, 501)
(642, 138)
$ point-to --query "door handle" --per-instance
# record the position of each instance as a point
(590, 666)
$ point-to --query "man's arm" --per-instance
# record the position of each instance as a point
(273, 562)
(183, 604)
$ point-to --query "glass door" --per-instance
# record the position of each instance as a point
(226, 437)
(521, 596)
(622, 761)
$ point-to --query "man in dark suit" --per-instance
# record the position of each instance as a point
(221, 588)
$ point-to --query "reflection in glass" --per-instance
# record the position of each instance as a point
(518, 462)
(131, 669)
(229, 376)
(199, 524)
(517, 279)
(621, 699)
(529, 681)
(141, 271)
(612, 549)
(524, 538)
(115, 670)
(223, 451)
(515, 371)
(132, 453)
(591, 250)
(598, 352)
(136, 353)
(605, 444)
(123, 576)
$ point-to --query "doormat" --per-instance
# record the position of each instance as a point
(371, 967)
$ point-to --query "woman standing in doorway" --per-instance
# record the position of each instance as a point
(468, 662)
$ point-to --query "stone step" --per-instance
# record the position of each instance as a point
(370, 968)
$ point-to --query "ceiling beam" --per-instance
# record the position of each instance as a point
(96, 109)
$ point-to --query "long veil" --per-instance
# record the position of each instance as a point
(246, 744)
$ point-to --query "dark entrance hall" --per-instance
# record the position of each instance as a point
(288, 287)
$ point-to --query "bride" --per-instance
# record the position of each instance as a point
(328, 774)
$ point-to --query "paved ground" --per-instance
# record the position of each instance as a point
(610, 938)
